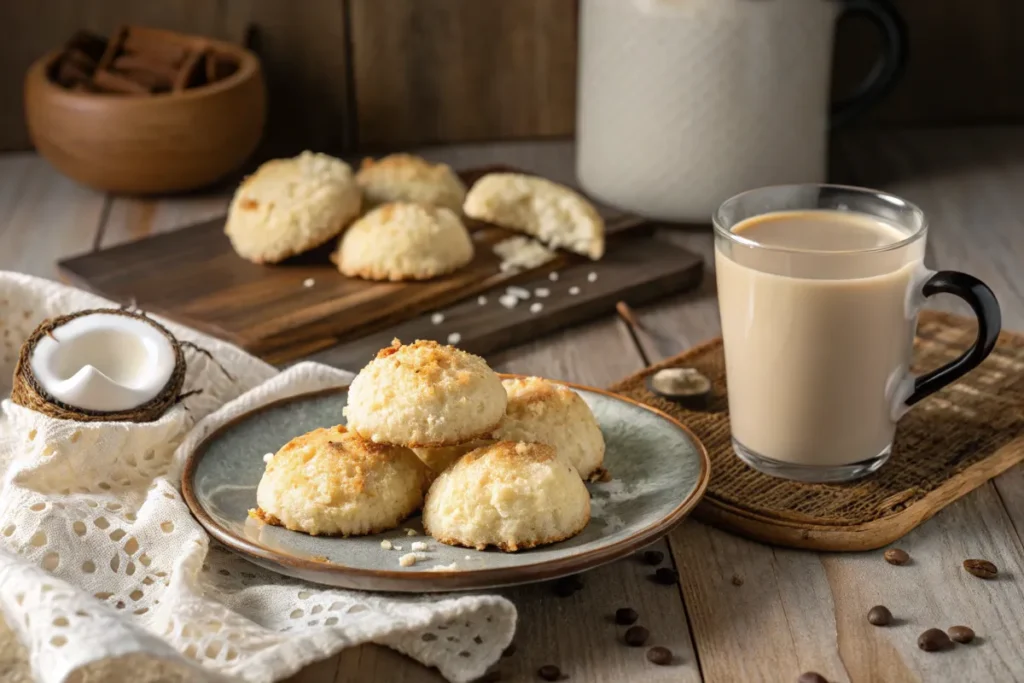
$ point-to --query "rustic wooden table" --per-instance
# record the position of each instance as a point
(795, 611)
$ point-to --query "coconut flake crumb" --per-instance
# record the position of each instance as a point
(396, 546)
(308, 282)
(409, 559)
(444, 567)
(542, 292)
(437, 318)
(521, 253)
(508, 301)
(574, 290)
(592, 277)
(419, 545)
(454, 338)
(518, 292)
(410, 532)
(386, 544)
(469, 557)
(536, 307)
(268, 457)
(482, 300)
(553, 276)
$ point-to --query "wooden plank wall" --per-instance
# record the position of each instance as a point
(377, 73)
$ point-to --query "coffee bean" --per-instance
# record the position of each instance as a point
(983, 569)
(662, 656)
(626, 616)
(961, 634)
(636, 636)
(509, 651)
(666, 576)
(653, 557)
(549, 672)
(879, 615)
(737, 580)
(811, 677)
(933, 640)
(567, 585)
(896, 556)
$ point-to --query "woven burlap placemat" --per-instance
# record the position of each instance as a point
(950, 444)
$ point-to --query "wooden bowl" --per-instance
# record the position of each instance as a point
(148, 144)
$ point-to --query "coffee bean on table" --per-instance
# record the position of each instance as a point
(811, 677)
(961, 634)
(636, 636)
(626, 616)
(933, 640)
(549, 672)
(666, 576)
(567, 585)
(662, 656)
(653, 557)
(896, 556)
(983, 569)
(879, 615)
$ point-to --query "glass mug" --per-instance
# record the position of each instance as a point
(819, 288)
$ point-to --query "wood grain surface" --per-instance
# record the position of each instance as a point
(794, 610)
(457, 70)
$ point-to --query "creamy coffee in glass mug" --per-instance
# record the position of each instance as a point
(684, 103)
(819, 288)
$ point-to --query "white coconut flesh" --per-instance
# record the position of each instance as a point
(103, 362)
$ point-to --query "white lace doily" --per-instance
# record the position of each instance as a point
(105, 576)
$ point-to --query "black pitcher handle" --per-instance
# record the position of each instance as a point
(887, 68)
(981, 299)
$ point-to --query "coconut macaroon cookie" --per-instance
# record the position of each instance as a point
(408, 178)
(425, 395)
(289, 206)
(540, 411)
(404, 241)
(509, 495)
(332, 482)
(553, 213)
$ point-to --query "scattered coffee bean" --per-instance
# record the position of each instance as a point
(666, 576)
(879, 615)
(933, 640)
(509, 651)
(983, 569)
(549, 672)
(662, 656)
(896, 556)
(653, 557)
(811, 677)
(737, 580)
(626, 616)
(636, 636)
(567, 585)
(961, 634)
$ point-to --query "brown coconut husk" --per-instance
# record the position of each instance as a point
(28, 392)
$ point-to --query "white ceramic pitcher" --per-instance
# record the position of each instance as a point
(683, 103)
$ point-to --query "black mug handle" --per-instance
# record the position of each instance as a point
(887, 68)
(981, 299)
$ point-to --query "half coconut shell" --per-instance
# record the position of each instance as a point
(30, 393)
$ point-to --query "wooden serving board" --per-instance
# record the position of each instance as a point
(948, 445)
(193, 276)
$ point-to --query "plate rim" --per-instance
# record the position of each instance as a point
(447, 580)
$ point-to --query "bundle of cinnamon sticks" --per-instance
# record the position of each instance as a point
(140, 61)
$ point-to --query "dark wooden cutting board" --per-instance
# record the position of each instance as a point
(193, 276)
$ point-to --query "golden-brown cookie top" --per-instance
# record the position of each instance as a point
(409, 178)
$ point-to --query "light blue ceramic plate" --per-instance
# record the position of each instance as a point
(659, 472)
